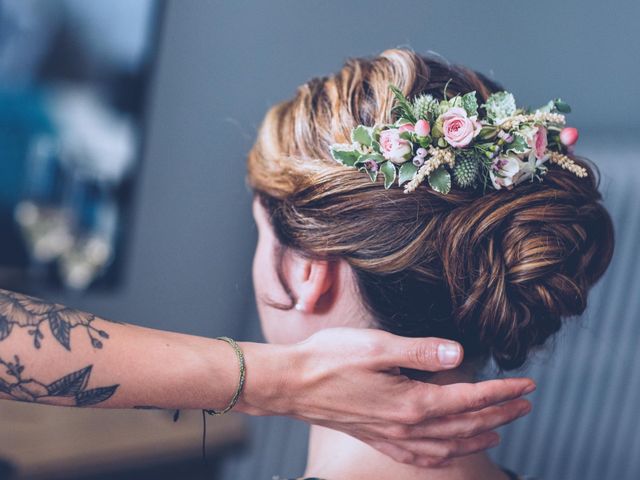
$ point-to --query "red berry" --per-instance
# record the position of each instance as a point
(569, 136)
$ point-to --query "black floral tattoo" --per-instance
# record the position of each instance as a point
(73, 387)
(29, 312)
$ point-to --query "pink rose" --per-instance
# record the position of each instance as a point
(459, 129)
(407, 127)
(394, 148)
(422, 128)
(569, 136)
(538, 142)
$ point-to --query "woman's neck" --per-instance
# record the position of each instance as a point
(334, 455)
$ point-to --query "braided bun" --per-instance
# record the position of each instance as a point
(517, 262)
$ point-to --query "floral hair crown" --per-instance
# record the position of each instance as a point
(437, 140)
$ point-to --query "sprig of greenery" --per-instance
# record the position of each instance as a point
(403, 106)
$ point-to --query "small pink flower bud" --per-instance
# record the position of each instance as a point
(569, 136)
(407, 127)
(422, 128)
(507, 137)
(421, 152)
(371, 165)
(418, 161)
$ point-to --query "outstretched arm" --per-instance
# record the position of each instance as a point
(53, 354)
(347, 379)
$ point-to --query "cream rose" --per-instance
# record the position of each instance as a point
(458, 128)
(394, 148)
(505, 172)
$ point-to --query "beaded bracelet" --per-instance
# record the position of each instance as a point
(241, 362)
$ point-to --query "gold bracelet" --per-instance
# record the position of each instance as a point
(241, 362)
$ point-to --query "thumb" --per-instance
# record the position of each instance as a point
(429, 354)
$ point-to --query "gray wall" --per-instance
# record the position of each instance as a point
(223, 63)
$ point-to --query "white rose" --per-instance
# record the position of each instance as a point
(506, 171)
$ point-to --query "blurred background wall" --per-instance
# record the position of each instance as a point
(221, 64)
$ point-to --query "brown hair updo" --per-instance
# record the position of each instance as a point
(495, 271)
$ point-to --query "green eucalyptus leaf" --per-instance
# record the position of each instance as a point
(402, 121)
(424, 142)
(470, 103)
(373, 175)
(362, 135)
(456, 101)
(406, 135)
(407, 171)
(440, 180)
(345, 157)
(561, 106)
(488, 132)
(388, 170)
(547, 108)
(519, 145)
(375, 145)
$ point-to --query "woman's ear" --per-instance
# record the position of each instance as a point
(310, 281)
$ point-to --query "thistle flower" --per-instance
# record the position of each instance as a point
(424, 107)
(466, 171)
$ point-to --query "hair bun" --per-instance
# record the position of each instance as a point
(517, 262)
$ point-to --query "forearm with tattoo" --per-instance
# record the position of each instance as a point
(50, 353)
(18, 311)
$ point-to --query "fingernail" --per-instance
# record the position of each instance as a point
(530, 388)
(526, 409)
(448, 354)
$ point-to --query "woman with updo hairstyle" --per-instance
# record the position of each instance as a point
(497, 270)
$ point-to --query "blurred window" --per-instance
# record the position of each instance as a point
(73, 82)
